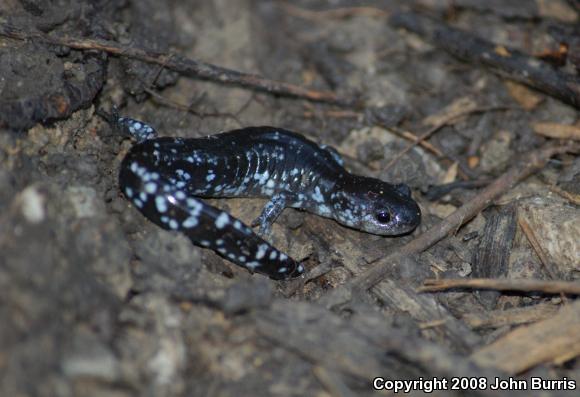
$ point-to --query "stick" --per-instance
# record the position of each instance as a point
(506, 62)
(337, 13)
(571, 197)
(522, 285)
(445, 121)
(534, 161)
(555, 339)
(514, 316)
(185, 66)
(533, 240)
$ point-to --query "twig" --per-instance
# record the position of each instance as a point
(349, 114)
(522, 285)
(332, 381)
(337, 13)
(158, 72)
(573, 198)
(336, 114)
(432, 324)
(446, 120)
(557, 130)
(186, 108)
(506, 62)
(436, 192)
(534, 161)
(185, 66)
(417, 141)
(533, 240)
(514, 316)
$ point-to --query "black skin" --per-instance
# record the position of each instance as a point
(165, 178)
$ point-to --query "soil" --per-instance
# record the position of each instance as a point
(96, 300)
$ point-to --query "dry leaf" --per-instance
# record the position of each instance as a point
(557, 9)
(501, 51)
(473, 161)
(451, 173)
(525, 97)
(558, 131)
(457, 107)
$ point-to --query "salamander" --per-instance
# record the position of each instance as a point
(166, 178)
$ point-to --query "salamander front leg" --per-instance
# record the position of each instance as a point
(272, 210)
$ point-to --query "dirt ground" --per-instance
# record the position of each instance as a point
(95, 300)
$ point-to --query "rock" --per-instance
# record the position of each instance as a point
(496, 153)
(556, 224)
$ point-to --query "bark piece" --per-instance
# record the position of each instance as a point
(543, 342)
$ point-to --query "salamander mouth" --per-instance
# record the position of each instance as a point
(405, 229)
(380, 230)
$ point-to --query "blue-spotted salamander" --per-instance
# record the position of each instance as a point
(166, 179)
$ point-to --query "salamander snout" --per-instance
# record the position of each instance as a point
(407, 216)
(379, 208)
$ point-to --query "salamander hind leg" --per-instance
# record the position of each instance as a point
(171, 208)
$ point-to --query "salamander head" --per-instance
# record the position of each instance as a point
(377, 207)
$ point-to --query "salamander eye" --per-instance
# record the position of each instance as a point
(383, 217)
